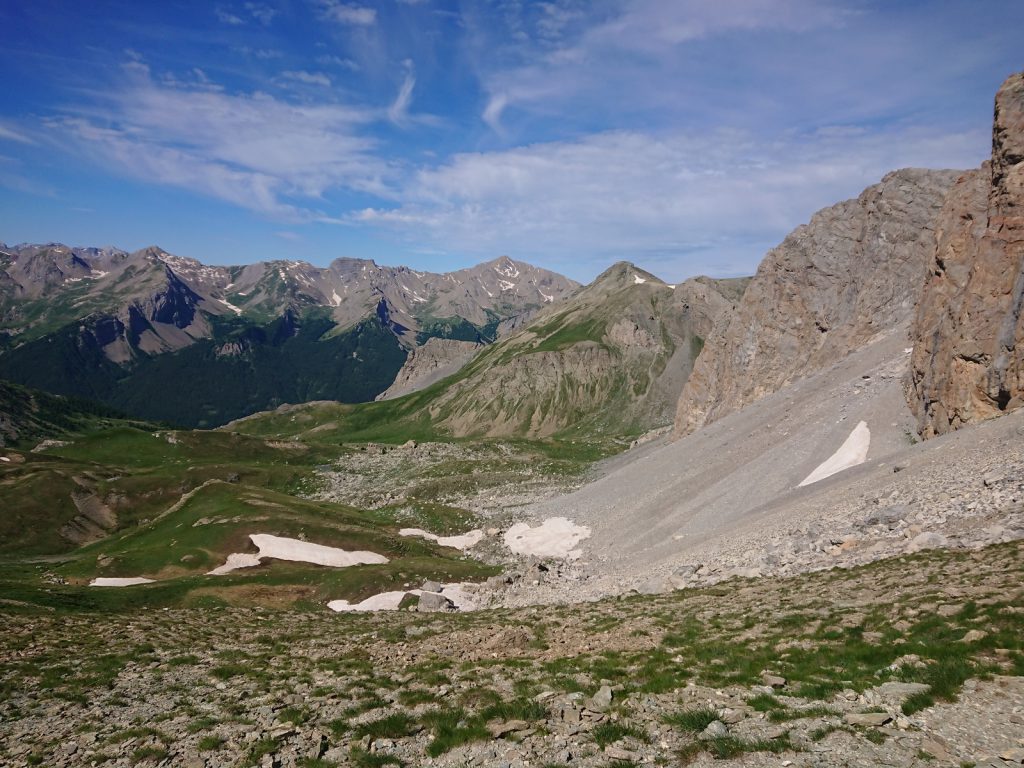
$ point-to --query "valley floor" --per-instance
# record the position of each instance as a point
(910, 661)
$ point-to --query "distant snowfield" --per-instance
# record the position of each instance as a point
(389, 601)
(555, 537)
(852, 452)
(295, 550)
(119, 582)
(461, 542)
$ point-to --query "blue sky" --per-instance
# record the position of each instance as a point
(688, 136)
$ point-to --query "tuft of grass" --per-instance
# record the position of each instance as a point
(451, 727)
(259, 749)
(764, 702)
(156, 754)
(729, 747)
(785, 714)
(694, 720)
(391, 727)
(608, 733)
(210, 743)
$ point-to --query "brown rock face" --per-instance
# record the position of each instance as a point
(968, 360)
(850, 275)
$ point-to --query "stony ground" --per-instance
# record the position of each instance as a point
(911, 661)
(487, 478)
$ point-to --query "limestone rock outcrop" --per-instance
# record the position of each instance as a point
(852, 274)
(968, 359)
(425, 365)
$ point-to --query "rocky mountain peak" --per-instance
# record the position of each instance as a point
(623, 274)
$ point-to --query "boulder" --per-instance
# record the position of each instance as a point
(432, 602)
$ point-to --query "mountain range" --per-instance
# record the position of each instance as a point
(168, 338)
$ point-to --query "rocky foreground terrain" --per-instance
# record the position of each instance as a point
(911, 661)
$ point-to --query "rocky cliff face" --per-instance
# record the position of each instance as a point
(435, 360)
(968, 359)
(851, 274)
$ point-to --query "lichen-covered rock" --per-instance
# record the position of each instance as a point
(968, 360)
(853, 273)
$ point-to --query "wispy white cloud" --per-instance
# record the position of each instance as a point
(226, 17)
(492, 112)
(252, 150)
(9, 134)
(636, 49)
(348, 13)
(263, 13)
(691, 203)
(398, 112)
(309, 78)
(262, 54)
(338, 61)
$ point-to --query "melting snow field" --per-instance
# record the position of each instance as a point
(389, 601)
(281, 548)
(555, 537)
(114, 582)
(851, 453)
(463, 542)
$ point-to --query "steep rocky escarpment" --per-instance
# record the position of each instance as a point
(968, 360)
(850, 275)
(435, 360)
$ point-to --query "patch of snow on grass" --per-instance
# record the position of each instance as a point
(463, 542)
(555, 537)
(119, 582)
(852, 452)
(294, 550)
(389, 601)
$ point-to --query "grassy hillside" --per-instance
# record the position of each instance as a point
(135, 473)
(28, 416)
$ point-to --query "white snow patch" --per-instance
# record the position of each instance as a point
(235, 561)
(115, 582)
(505, 285)
(555, 537)
(463, 542)
(389, 601)
(851, 453)
(671, 286)
(546, 297)
(335, 298)
(638, 280)
(96, 274)
(230, 306)
(295, 550)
